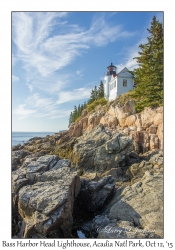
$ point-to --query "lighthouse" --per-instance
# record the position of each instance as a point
(116, 84)
(111, 70)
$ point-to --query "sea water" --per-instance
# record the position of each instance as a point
(22, 137)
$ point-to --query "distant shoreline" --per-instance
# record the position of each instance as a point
(22, 137)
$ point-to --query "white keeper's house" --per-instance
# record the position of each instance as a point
(117, 84)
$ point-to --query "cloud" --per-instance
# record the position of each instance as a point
(77, 94)
(129, 63)
(43, 50)
(131, 52)
(79, 74)
(40, 103)
(101, 33)
(49, 84)
(39, 106)
(30, 86)
(22, 112)
(15, 78)
(44, 43)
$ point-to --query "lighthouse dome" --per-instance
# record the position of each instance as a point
(111, 69)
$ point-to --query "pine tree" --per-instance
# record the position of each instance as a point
(101, 90)
(70, 119)
(78, 111)
(74, 116)
(93, 95)
(84, 105)
(149, 76)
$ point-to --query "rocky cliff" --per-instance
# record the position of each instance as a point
(108, 167)
(146, 128)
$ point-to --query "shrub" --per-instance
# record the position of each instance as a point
(101, 101)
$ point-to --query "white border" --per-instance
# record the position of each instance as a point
(5, 94)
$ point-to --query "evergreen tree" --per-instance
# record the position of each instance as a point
(101, 90)
(78, 111)
(95, 93)
(149, 76)
(81, 108)
(70, 119)
(92, 97)
(84, 105)
(74, 116)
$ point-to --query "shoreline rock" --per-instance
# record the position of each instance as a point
(109, 164)
(46, 196)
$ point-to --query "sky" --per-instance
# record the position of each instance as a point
(58, 58)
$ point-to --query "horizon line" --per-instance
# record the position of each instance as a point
(36, 131)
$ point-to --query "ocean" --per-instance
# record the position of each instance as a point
(22, 137)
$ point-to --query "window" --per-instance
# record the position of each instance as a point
(124, 83)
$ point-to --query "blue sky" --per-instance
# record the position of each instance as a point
(58, 57)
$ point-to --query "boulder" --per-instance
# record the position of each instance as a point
(76, 129)
(44, 191)
(99, 150)
(152, 116)
(160, 135)
(122, 111)
(154, 142)
(109, 121)
(94, 194)
(94, 118)
(17, 158)
(142, 204)
(47, 205)
(15, 162)
(152, 162)
(35, 168)
(158, 118)
(130, 120)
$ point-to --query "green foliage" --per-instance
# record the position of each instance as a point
(97, 96)
(122, 99)
(94, 95)
(101, 90)
(149, 76)
(101, 101)
(76, 113)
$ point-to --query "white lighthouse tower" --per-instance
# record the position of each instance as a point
(111, 70)
(117, 84)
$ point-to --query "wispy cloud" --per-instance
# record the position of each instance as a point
(45, 43)
(132, 52)
(15, 78)
(43, 50)
(129, 62)
(79, 74)
(39, 106)
(77, 94)
(50, 84)
(23, 113)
